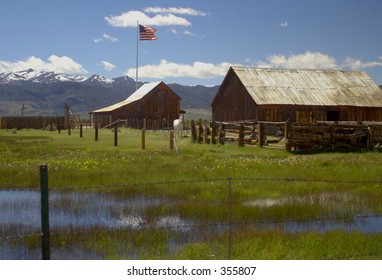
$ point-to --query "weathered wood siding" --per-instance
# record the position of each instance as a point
(233, 102)
(160, 104)
(307, 114)
(227, 109)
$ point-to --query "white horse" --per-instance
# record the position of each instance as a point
(178, 125)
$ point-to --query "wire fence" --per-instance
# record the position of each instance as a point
(219, 218)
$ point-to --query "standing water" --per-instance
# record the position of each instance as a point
(75, 212)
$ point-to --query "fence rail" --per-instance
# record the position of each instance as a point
(219, 218)
(290, 136)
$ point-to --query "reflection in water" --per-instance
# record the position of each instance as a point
(20, 215)
(21, 210)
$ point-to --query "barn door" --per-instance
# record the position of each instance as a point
(333, 116)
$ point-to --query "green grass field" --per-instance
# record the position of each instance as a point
(76, 161)
(291, 186)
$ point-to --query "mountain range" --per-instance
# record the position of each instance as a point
(34, 93)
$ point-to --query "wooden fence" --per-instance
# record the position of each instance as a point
(43, 122)
(333, 135)
(38, 122)
(289, 136)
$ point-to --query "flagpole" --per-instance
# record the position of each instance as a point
(136, 66)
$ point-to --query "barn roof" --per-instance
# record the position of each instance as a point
(137, 95)
(309, 87)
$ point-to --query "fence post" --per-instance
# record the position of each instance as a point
(193, 131)
(205, 135)
(45, 232)
(286, 135)
(370, 138)
(260, 134)
(199, 132)
(69, 131)
(81, 130)
(116, 136)
(172, 140)
(229, 217)
(241, 135)
(143, 138)
(96, 133)
(213, 132)
(222, 134)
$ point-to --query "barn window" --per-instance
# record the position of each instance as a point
(333, 116)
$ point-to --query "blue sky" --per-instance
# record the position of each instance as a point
(197, 39)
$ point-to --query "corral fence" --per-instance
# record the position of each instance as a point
(33, 122)
(42, 122)
(148, 220)
(290, 136)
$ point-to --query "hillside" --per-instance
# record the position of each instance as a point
(45, 93)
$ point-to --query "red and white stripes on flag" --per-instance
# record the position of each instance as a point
(147, 33)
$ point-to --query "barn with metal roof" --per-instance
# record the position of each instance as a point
(297, 95)
(155, 103)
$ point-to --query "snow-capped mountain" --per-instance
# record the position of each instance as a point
(96, 78)
(35, 76)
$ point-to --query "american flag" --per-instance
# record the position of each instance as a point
(146, 33)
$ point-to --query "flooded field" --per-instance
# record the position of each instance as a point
(80, 213)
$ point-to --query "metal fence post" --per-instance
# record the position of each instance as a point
(229, 217)
(45, 232)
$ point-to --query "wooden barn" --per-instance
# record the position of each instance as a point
(155, 103)
(297, 95)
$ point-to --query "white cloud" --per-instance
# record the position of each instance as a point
(129, 19)
(200, 70)
(316, 60)
(357, 64)
(284, 24)
(188, 33)
(205, 70)
(173, 10)
(184, 32)
(307, 60)
(107, 65)
(54, 63)
(110, 38)
(106, 37)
